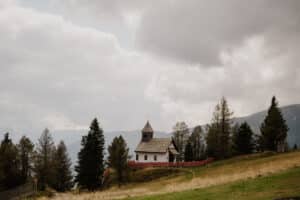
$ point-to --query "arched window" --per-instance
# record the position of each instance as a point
(137, 157)
(145, 157)
(155, 158)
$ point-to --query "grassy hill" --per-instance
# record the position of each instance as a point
(243, 176)
(280, 185)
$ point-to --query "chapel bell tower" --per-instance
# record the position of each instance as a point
(147, 133)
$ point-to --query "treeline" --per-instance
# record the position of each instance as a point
(43, 164)
(47, 165)
(223, 139)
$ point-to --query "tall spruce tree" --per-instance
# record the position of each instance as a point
(188, 152)
(9, 164)
(243, 140)
(90, 165)
(180, 137)
(44, 161)
(196, 143)
(212, 138)
(274, 129)
(118, 158)
(25, 148)
(219, 131)
(226, 123)
(62, 169)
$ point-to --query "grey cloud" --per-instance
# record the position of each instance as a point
(51, 68)
(196, 31)
(61, 70)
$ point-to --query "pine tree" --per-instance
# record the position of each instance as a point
(295, 147)
(118, 158)
(44, 161)
(90, 166)
(196, 143)
(219, 131)
(274, 129)
(258, 143)
(62, 169)
(234, 130)
(188, 152)
(9, 164)
(180, 137)
(226, 121)
(243, 140)
(212, 138)
(25, 148)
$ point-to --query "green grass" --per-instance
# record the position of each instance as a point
(241, 163)
(284, 184)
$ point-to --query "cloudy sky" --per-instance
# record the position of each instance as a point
(64, 62)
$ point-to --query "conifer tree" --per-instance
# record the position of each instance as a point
(90, 165)
(180, 137)
(212, 138)
(295, 147)
(219, 131)
(274, 129)
(258, 143)
(25, 148)
(234, 132)
(9, 164)
(44, 161)
(118, 158)
(188, 152)
(243, 140)
(196, 143)
(62, 169)
(226, 121)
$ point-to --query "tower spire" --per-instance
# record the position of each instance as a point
(147, 132)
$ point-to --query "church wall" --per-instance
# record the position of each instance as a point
(160, 157)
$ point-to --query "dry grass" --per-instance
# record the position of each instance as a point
(217, 173)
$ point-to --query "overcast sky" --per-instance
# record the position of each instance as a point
(64, 62)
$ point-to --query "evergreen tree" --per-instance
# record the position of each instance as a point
(62, 169)
(44, 161)
(295, 147)
(274, 129)
(90, 166)
(226, 120)
(196, 143)
(118, 158)
(180, 137)
(219, 131)
(212, 139)
(188, 152)
(235, 130)
(25, 148)
(243, 140)
(9, 164)
(258, 143)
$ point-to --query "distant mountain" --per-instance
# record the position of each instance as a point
(290, 113)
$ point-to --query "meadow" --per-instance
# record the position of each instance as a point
(258, 175)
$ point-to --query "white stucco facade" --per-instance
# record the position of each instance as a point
(150, 157)
(151, 149)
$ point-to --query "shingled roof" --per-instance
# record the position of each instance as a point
(147, 128)
(155, 145)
